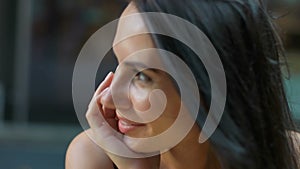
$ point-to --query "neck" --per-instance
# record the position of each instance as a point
(189, 153)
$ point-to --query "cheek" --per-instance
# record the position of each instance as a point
(173, 104)
(139, 98)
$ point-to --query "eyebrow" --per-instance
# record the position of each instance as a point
(140, 65)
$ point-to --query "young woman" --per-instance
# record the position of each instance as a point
(256, 130)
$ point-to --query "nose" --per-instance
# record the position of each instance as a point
(115, 100)
(106, 99)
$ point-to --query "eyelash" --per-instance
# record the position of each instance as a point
(142, 77)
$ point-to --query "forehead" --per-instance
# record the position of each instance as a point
(126, 26)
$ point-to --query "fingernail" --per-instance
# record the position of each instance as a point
(108, 75)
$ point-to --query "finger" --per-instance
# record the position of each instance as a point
(112, 142)
(113, 123)
(94, 114)
(95, 118)
(109, 113)
(106, 82)
(104, 98)
(106, 137)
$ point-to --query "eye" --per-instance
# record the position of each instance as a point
(142, 77)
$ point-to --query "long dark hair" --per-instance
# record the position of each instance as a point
(254, 130)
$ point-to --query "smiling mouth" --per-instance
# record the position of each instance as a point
(126, 126)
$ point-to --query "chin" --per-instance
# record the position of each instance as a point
(146, 145)
(140, 145)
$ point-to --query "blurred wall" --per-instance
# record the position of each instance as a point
(7, 40)
(40, 41)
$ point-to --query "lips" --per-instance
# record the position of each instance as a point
(126, 126)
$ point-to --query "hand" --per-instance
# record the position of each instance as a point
(104, 133)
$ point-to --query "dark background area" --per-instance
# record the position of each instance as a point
(39, 44)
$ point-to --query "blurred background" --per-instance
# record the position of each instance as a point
(39, 44)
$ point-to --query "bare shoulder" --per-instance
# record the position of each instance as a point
(296, 139)
(84, 153)
(295, 135)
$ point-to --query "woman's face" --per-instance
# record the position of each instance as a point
(141, 86)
